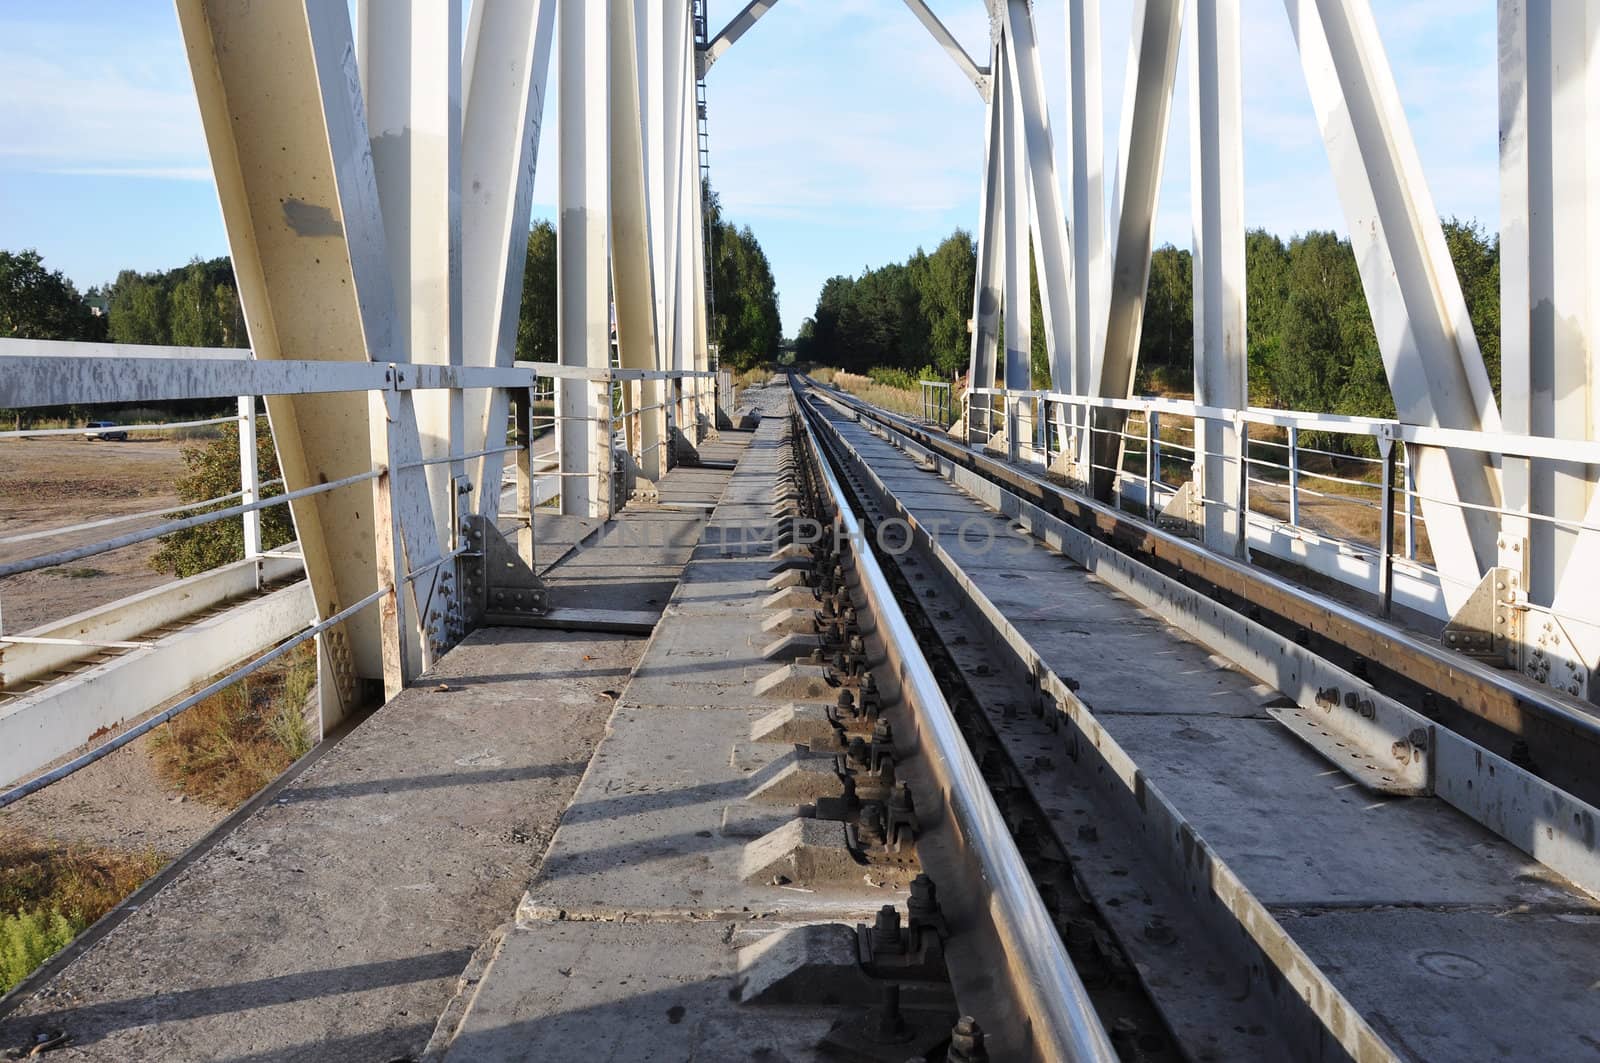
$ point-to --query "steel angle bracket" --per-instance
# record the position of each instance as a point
(500, 587)
(1488, 625)
(1183, 514)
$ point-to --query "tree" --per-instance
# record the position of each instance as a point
(946, 287)
(213, 471)
(41, 304)
(536, 326)
(1166, 340)
(1477, 260)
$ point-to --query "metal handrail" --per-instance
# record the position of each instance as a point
(1065, 1025)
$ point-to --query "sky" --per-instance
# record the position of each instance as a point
(839, 131)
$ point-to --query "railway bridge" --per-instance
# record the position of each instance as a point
(658, 720)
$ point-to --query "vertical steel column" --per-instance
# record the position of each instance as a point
(631, 254)
(583, 307)
(1550, 296)
(1216, 185)
(1016, 303)
(1052, 251)
(506, 72)
(1087, 177)
(989, 288)
(409, 57)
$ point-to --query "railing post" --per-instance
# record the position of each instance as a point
(250, 480)
(1294, 475)
(1411, 506)
(1152, 461)
(522, 408)
(390, 564)
(1386, 449)
(1241, 546)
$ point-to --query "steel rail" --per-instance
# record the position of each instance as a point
(1503, 700)
(1065, 1024)
(111, 745)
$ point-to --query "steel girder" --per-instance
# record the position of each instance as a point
(1430, 352)
(633, 283)
(1091, 259)
(1550, 300)
(504, 82)
(286, 128)
(584, 304)
(1216, 186)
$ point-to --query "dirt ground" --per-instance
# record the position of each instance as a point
(58, 480)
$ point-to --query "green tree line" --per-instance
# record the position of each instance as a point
(1311, 342)
(744, 316)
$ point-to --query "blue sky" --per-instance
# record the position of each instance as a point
(839, 131)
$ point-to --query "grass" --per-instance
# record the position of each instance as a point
(79, 573)
(50, 892)
(752, 378)
(236, 741)
(899, 400)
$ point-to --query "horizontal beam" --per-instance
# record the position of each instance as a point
(137, 615)
(28, 380)
(44, 725)
(737, 27)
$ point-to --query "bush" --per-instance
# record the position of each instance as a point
(213, 472)
(27, 939)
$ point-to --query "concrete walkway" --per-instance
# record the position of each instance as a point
(334, 923)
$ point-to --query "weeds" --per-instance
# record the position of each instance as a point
(236, 741)
(50, 892)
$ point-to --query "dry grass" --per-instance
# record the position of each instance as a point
(752, 378)
(49, 892)
(235, 742)
(898, 400)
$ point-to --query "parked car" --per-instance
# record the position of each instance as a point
(105, 430)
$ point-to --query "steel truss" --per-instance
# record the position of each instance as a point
(375, 188)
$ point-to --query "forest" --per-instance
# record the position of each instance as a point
(1310, 336)
(197, 305)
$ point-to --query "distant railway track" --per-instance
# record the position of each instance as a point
(1264, 825)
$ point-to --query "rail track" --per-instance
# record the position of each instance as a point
(1263, 825)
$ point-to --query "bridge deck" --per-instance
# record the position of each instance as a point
(336, 920)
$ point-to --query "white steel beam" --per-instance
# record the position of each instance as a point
(409, 56)
(979, 76)
(1430, 352)
(989, 288)
(583, 306)
(737, 27)
(632, 281)
(47, 723)
(289, 146)
(1216, 185)
(507, 71)
(132, 617)
(1016, 303)
(1052, 251)
(1550, 296)
(1147, 107)
(1092, 263)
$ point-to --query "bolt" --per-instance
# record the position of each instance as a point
(966, 1042)
(887, 1026)
(886, 935)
